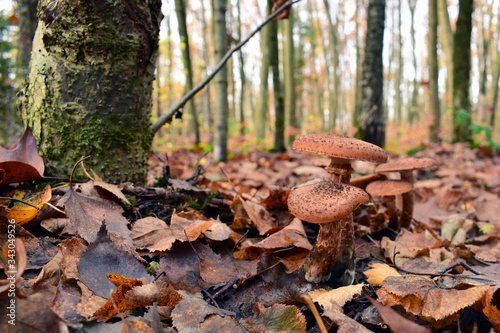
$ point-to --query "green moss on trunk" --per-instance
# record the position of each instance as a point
(89, 90)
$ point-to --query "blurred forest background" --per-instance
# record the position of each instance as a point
(305, 74)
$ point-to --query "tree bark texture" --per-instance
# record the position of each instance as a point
(89, 90)
(434, 106)
(372, 128)
(462, 118)
(221, 102)
(446, 39)
(26, 10)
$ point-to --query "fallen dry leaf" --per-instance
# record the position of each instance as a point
(103, 257)
(335, 299)
(19, 211)
(423, 297)
(21, 163)
(378, 272)
(276, 318)
(395, 321)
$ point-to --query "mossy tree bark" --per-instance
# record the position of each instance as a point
(462, 118)
(372, 128)
(89, 90)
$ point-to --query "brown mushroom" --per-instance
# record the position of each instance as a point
(388, 189)
(341, 149)
(363, 181)
(405, 167)
(329, 204)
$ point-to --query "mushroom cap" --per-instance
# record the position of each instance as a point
(363, 181)
(406, 164)
(325, 201)
(340, 146)
(389, 187)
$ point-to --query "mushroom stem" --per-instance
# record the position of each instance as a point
(390, 203)
(319, 263)
(343, 270)
(340, 170)
(407, 212)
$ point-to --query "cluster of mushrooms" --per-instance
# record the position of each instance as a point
(331, 203)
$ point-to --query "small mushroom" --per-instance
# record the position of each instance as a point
(405, 167)
(342, 150)
(329, 204)
(388, 189)
(363, 181)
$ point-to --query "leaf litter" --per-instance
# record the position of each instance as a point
(213, 252)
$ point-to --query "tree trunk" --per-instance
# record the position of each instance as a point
(399, 69)
(207, 105)
(355, 121)
(446, 40)
(263, 106)
(334, 90)
(372, 128)
(242, 117)
(494, 89)
(221, 102)
(289, 76)
(462, 118)
(412, 110)
(89, 90)
(26, 10)
(180, 10)
(434, 107)
(279, 108)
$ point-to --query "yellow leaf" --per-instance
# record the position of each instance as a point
(20, 212)
(333, 299)
(378, 272)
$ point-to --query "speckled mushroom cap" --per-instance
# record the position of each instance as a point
(325, 201)
(406, 164)
(389, 187)
(340, 146)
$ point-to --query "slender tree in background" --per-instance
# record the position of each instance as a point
(434, 106)
(462, 117)
(221, 102)
(484, 22)
(446, 39)
(334, 88)
(279, 108)
(26, 10)
(399, 68)
(289, 75)
(180, 10)
(89, 90)
(372, 128)
(356, 115)
(263, 106)
(495, 89)
(242, 117)
(207, 105)
(413, 105)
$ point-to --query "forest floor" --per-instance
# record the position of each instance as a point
(213, 248)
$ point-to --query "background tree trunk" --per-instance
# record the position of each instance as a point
(334, 90)
(289, 75)
(263, 99)
(462, 118)
(279, 108)
(356, 115)
(221, 102)
(446, 38)
(372, 128)
(413, 106)
(180, 10)
(434, 107)
(26, 10)
(90, 86)
(242, 125)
